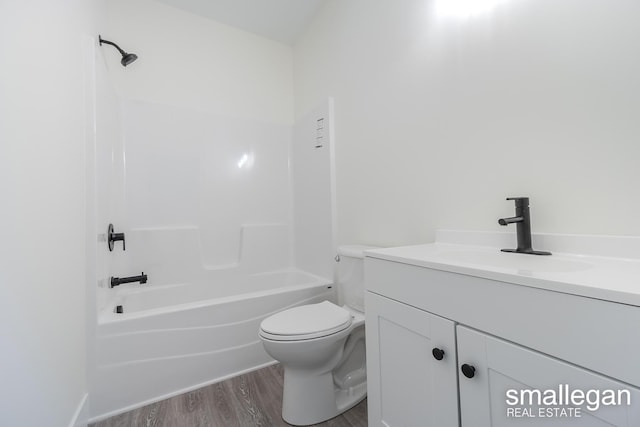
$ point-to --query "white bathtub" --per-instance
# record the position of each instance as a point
(175, 338)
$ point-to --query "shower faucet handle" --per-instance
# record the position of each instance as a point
(114, 237)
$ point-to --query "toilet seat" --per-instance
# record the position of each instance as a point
(306, 322)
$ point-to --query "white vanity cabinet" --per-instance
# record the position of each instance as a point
(501, 366)
(511, 337)
(414, 366)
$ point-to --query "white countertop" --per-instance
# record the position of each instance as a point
(606, 278)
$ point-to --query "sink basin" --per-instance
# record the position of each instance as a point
(511, 261)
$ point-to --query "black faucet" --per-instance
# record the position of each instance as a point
(117, 281)
(523, 227)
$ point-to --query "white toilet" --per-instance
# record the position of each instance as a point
(322, 348)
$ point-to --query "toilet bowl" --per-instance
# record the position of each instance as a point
(322, 348)
(323, 339)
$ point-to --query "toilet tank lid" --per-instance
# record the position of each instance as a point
(354, 251)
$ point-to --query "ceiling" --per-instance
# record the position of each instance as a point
(280, 20)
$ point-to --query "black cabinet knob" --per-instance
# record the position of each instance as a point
(438, 353)
(468, 371)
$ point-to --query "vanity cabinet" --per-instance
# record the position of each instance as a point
(413, 366)
(501, 366)
(507, 337)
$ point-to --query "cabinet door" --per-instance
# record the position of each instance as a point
(502, 367)
(407, 385)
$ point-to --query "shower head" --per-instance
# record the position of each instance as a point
(127, 58)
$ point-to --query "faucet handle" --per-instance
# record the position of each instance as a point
(520, 201)
(114, 237)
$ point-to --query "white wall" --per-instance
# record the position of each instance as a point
(439, 117)
(43, 185)
(189, 61)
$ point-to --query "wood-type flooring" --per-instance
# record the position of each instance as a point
(253, 399)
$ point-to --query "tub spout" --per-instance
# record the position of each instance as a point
(117, 281)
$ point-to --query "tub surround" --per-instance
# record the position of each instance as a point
(500, 321)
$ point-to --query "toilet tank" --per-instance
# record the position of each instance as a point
(350, 275)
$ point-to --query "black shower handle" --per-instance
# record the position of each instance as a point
(114, 237)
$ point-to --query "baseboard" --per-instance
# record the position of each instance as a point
(81, 416)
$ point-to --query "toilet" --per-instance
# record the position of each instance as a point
(322, 348)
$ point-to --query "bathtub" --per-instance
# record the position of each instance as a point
(174, 338)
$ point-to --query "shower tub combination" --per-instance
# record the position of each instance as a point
(223, 247)
(174, 338)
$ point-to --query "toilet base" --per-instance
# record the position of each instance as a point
(311, 399)
(347, 399)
